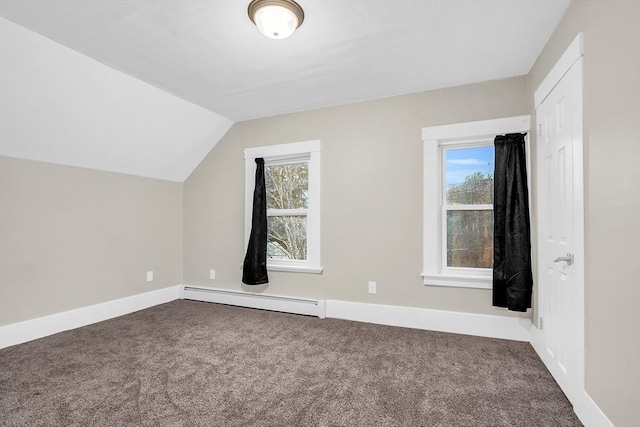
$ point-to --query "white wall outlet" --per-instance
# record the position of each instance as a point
(212, 274)
(372, 287)
(149, 276)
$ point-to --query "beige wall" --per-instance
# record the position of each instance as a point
(371, 197)
(612, 200)
(72, 237)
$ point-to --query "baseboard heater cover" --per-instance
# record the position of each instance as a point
(309, 307)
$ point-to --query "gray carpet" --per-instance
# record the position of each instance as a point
(190, 363)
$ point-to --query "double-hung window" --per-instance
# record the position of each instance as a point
(467, 207)
(292, 180)
(458, 201)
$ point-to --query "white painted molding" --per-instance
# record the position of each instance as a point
(479, 129)
(503, 327)
(511, 328)
(295, 268)
(475, 282)
(570, 65)
(589, 413)
(585, 408)
(286, 304)
(435, 138)
(568, 58)
(293, 148)
(21, 332)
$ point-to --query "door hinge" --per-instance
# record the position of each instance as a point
(540, 323)
(539, 131)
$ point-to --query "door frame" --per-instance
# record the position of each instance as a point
(585, 408)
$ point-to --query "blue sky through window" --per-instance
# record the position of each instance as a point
(461, 162)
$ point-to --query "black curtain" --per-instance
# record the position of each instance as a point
(512, 277)
(254, 268)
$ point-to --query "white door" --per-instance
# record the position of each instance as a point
(560, 236)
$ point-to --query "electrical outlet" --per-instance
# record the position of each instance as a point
(212, 274)
(372, 287)
(149, 276)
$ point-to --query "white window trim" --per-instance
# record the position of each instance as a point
(285, 153)
(434, 138)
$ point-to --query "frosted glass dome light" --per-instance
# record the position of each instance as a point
(276, 19)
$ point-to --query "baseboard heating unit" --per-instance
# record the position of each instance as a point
(310, 307)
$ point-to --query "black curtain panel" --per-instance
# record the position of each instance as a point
(512, 276)
(254, 268)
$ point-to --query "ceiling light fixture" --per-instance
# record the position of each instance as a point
(276, 19)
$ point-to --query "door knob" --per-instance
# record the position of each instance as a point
(568, 259)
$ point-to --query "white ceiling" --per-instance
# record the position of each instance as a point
(209, 53)
(59, 106)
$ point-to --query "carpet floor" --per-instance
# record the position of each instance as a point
(188, 363)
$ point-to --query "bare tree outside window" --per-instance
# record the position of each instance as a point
(476, 189)
(287, 203)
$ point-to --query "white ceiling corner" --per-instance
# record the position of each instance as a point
(60, 106)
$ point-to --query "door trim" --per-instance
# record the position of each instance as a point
(584, 407)
(574, 52)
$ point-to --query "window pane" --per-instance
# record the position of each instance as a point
(470, 239)
(469, 176)
(287, 186)
(287, 237)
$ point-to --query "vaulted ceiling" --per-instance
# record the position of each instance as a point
(210, 54)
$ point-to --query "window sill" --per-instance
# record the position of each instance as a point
(295, 269)
(458, 281)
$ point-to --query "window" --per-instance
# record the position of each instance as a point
(467, 205)
(292, 178)
(287, 185)
(458, 201)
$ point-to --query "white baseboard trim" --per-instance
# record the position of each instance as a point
(589, 413)
(511, 328)
(307, 306)
(21, 332)
(585, 408)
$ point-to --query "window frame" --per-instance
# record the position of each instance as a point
(281, 154)
(436, 139)
(303, 159)
(446, 270)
